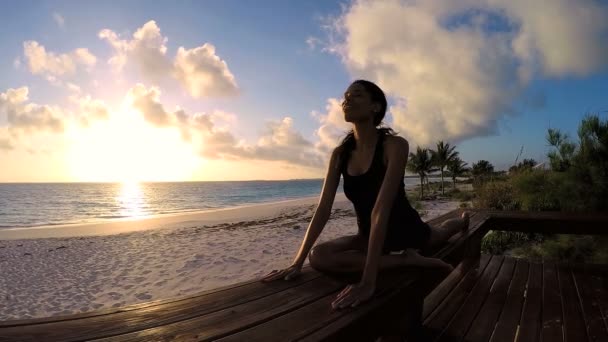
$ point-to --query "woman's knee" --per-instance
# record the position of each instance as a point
(319, 256)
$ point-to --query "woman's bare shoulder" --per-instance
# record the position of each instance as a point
(396, 142)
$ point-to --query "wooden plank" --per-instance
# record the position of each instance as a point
(404, 305)
(575, 329)
(453, 251)
(318, 315)
(485, 321)
(459, 326)
(442, 291)
(552, 327)
(434, 325)
(251, 286)
(507, 324)
(599, 285)
(594, 322)
(529, 326)
(237, 318)
(121, 322)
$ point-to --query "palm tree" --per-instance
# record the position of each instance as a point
(457, 168)
(481, 169)
(421, 164)
(442, 157)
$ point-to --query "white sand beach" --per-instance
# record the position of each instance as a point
(60, 270)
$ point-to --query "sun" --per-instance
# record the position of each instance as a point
(129, 150)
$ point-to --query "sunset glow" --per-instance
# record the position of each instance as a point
(220, 91)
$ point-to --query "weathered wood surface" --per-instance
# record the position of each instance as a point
(508, 299)
(298, 309)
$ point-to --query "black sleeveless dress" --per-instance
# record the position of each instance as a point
(405, 227)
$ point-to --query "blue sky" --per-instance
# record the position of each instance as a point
(510, 81)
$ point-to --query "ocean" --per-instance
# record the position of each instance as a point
(41, 204)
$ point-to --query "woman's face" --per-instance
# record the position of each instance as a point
(357, 105)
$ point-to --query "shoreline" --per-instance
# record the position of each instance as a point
(132, 224)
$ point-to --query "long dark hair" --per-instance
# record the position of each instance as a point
(377, 95)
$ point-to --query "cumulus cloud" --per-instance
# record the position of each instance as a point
(90, 110)
(200, 70)
(203, 73)
(74, 88)
(41, 62)
(25, 117)
(147, 48)
(147, 102)
(455, 68)
(332, 126)
(279, 141)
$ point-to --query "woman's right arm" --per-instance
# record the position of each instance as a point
(323, 211)
(319, 219)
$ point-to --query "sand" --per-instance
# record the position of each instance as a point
(61, 270)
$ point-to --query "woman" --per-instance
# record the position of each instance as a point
(372, 161)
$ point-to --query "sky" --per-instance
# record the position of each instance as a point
(118, 91)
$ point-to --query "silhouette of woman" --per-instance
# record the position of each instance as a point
(372, 162)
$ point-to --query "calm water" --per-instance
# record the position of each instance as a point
(28, 205)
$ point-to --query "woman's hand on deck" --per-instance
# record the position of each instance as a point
(354, 295)
(288, 273)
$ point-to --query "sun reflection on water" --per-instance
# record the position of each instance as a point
(131, 200)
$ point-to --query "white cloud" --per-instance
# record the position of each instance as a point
(203, 73)
(41, 62)
(313, 42)
(73, 87)
(200, 71)
(452, 78)
(17, 63)
(147, 102)
(561, 38)
(25, 117)
(279, 140)
(59, 20)
(90, 110)
(147, 48)
(333, 127)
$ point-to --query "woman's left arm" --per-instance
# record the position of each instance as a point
(397, 150)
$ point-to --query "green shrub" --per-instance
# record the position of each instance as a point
(497, 242)
(567, 248)
(539, 190)
(497, 196)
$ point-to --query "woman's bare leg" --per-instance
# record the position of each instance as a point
(447, 229)
(348, 255)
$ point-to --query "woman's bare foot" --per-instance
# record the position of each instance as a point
(412, 258)
(466, 216)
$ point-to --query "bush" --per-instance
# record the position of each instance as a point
(497, 242)
(463, 196)
(497, 196)
(539, 190)
(568, 248)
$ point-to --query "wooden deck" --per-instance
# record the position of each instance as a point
(507, 299)
(486, 298)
